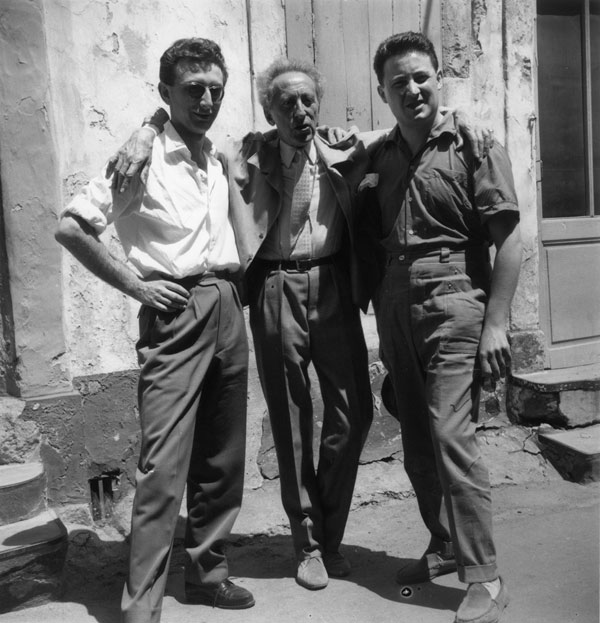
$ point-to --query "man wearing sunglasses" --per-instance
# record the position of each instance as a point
(181, 259)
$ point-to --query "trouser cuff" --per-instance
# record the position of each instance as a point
(478, 573)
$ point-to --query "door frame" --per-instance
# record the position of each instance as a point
(566, 232)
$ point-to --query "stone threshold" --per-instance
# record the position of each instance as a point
(562, 379)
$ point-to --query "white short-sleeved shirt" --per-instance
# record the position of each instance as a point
(178, 223)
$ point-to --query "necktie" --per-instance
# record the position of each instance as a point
(302, 194)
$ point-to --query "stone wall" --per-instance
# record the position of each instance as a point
(488, 70)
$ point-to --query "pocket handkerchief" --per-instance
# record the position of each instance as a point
(370, 180)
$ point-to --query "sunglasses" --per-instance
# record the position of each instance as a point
(196, 91)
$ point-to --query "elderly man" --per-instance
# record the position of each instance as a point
(441, 311)
(295, 194)
(193, 350)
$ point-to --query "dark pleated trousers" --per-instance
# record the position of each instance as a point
(192, 402)
(297, 319)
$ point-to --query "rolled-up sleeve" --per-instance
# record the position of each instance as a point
(93, 204)
(494, 187)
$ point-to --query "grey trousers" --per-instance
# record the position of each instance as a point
(192, 401)
(298, 318)
(430, 316)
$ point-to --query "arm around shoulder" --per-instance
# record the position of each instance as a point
(135, 155)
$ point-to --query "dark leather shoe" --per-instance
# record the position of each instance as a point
(428, 567)
(337, 565)
(223, 595)
(479, 607)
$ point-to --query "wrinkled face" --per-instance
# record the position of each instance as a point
(294, 108)
(195, 98)
(410, 87)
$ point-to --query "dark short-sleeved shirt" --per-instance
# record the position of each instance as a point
(441, 197)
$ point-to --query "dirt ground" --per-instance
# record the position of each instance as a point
(547, 535)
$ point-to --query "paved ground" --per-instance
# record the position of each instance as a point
(547, 534)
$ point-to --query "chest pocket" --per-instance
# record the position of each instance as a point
(447, 196)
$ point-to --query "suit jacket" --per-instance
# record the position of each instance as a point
(256, 184)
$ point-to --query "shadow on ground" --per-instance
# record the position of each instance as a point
(96, 570)
(271, 557)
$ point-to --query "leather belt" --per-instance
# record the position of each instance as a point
(191, 280)
(301, 266)
(441, 255)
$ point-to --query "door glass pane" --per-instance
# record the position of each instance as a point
(595, 63)
(560, 89)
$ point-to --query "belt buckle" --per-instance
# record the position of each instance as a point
(303, 265)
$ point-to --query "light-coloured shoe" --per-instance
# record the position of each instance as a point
(336, 564)
(311, 573)
(479, 607)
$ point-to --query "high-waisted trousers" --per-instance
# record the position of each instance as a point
(430, 316)
(192, 402)
(298, 318)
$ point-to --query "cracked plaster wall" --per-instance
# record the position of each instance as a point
(104, 64)
(30, 196)
(488, 70)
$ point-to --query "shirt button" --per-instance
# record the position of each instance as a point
(261, 236)
(401, 257)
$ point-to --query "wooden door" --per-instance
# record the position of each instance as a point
(341, 37)
(568, 83)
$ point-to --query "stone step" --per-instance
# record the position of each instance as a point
(564, 398)
(574, 453)
(32, 557)
(561, 379)
(22, 491)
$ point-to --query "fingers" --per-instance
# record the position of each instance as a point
(487, 142)
(117, 167)
(166, 304)
(173, 295)
(119, 183)
(110, 166)
(494, 366)
(145, 171)
(164, 295)
(179, 289)
(487, 381)
(177, 295)
(481, 140)
(124, 183)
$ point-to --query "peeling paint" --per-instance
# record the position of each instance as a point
(136, 47)
(98, 119)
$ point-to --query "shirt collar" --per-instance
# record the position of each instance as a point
(174, 142)
(445, 125)
(287, 152)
